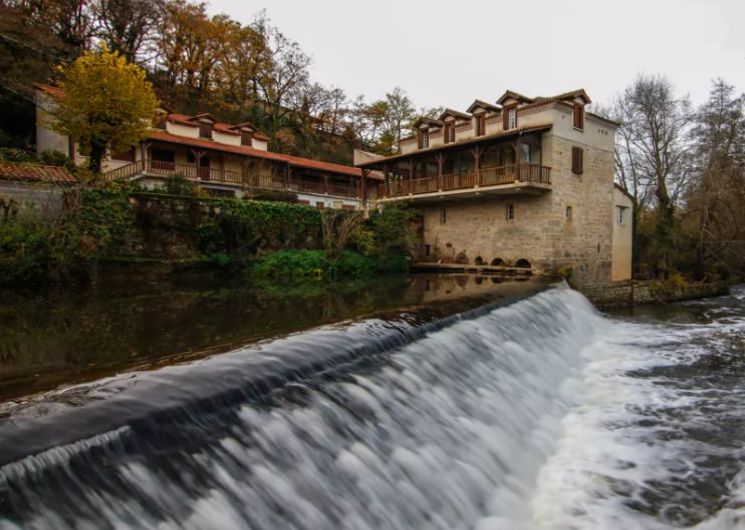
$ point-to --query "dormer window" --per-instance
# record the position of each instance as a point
(449, 132)
(246, 138)
(205, 129)
(509, 117)
(423, 137)
(479, 124)
(578, 116)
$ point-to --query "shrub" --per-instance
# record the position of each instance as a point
(242, 227)
(179, 185)
(312, 264)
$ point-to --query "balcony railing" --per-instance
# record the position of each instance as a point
(487, 176)
(206, 174)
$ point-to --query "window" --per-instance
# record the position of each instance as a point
(578, 116)
(577, 160)
(422, 139)
(479, 124)
(509, 117)
(125, 156)
(449, 133)
(427, 250)
(621, 214)
(568, 213)
(510, 211)
(320, 205)
(443, 216)
(205, 130)
(246, 138)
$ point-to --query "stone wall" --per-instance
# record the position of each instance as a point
(635, 292)
(543, 231)
(30, 198)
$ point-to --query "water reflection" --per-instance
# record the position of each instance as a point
(130, 322)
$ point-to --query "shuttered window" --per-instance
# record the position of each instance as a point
(509, 117)
(579, 117)
(246, 138)
(205, 130)
(479, 124)
(449, 134)
(577, 160)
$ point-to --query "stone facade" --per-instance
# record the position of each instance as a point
(565, 224)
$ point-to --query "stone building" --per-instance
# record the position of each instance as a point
(523, 182)
(224, 159)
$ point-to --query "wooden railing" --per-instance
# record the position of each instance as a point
(189, 171)
(192, 172)
(486, 176)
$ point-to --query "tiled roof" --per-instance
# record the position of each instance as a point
(51, 90)
(250, 151)
(226, 128)
(35, 173)
(181, 119)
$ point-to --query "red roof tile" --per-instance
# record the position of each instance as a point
(51, 90)
(35, 173)
(226, 128)
(250, 151)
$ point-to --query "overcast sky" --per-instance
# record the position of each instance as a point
(448, 53)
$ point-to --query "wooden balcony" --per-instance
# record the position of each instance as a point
(298, 184)
(165, 169)
(515, 178)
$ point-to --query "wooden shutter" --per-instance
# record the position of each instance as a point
(419, 139)
(577, 160)
(246, 138)
(205, 130)
(579, 116)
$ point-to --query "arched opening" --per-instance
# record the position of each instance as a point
(479, 280)
(522, 263)
(497, 262)
(479, 260)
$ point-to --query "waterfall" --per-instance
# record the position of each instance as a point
(483, 420)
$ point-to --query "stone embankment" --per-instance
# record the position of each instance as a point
(635, 292)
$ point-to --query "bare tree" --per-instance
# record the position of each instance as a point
(653, 159)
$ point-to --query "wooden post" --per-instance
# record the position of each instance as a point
(412, 166)
(477, 152)
(326, 183)
(440, 157)
(387, 182)
(363, 187)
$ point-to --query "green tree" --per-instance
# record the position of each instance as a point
(105, 102)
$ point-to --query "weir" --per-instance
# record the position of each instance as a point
(374, 425)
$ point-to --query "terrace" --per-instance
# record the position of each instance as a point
(503, 163)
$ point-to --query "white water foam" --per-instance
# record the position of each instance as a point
(531, 417)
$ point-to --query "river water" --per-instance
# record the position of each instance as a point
(541, 414)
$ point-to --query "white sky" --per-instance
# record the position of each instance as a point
(447, 53)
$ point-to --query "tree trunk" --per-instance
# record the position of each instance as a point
(97, 152)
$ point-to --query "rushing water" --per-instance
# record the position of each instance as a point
(542, 414)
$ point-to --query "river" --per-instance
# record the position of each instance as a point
(538, 414)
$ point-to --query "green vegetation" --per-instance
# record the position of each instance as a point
(275, 240)
(65, 248)
(241, 229)
(296, 265)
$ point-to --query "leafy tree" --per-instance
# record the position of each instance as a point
(105, 102)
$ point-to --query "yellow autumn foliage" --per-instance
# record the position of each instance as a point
(105, 102)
